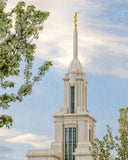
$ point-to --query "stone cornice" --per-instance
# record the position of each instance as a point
(43, 153)
(80, 115)
(66, 79)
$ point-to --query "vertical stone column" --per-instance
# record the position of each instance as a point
(81, 131)
(81, 94)
(93, 132)
(57, 145)
(86, 131)
(65, 90)
(68, 96)
(76, 91)
(85, 97)
(58, 133)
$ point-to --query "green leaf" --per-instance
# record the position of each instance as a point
(18, 29)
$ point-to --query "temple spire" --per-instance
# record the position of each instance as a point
(75, 38)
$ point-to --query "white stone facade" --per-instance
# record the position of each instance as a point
(73, 121)
(43, 155)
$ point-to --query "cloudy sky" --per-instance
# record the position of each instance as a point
(103, 52)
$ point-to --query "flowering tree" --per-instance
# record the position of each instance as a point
(18, 29)
(101, 149)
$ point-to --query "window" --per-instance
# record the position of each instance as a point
(70, 143)
(74, 141)
(66, 143)
(72, 99)
(89, 135)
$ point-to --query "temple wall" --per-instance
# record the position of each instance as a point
(43, 155)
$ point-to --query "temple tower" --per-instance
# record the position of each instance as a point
(74, 126)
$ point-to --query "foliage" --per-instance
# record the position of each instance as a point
(18, 29)
(100, 149)
(122, 141)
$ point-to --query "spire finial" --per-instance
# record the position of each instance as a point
(75, 19)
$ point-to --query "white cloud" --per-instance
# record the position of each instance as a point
(16, 136)
(9, 132)
(92, 46)
(32, 139)
(45, 144)
(55, 42)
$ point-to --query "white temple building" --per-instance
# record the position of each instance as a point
(74, 126)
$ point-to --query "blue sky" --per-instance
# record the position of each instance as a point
(103, 52)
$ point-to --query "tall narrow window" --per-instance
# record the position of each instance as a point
(74, 141)
(72, 99)
(66, 143)
(90, 135)
(70, 143)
